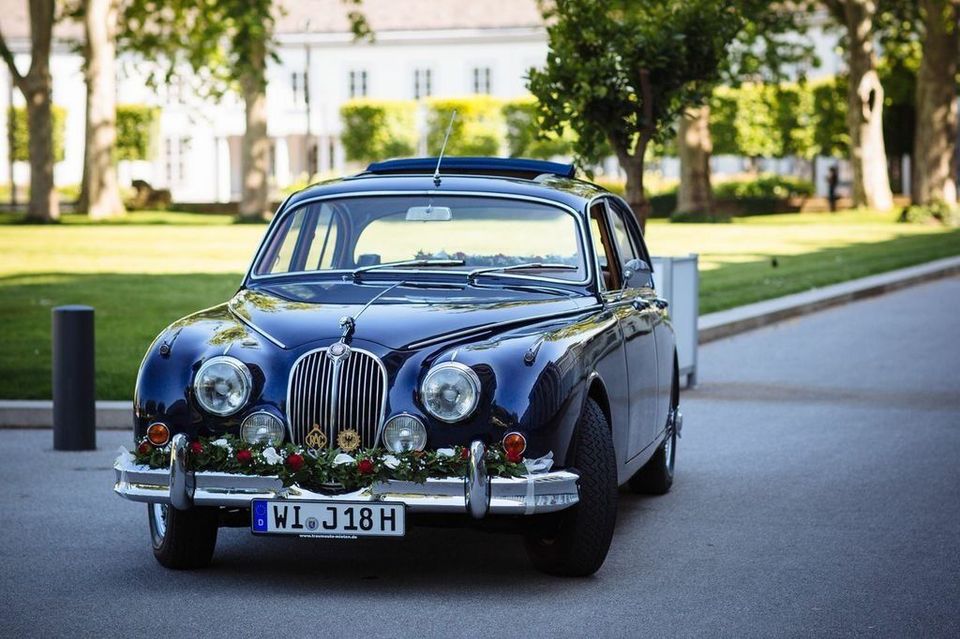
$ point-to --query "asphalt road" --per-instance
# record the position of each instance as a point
(818, 494)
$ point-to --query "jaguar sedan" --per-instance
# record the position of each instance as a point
(476, 341)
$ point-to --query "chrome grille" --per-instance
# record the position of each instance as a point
(337, 393)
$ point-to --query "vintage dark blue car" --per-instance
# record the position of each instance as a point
(480, 342)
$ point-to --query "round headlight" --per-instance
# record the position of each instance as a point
(262, 427)
(222, 385)
(450, 391)
(403, 433)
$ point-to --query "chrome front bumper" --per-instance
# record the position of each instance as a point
(478, 494)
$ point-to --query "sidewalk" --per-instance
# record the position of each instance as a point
(117, 415)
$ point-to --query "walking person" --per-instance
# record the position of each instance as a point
(833, 180)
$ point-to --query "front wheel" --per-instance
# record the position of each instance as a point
(183, 539)
(575, 541)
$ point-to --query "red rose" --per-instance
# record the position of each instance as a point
(464, 453)
(244, 456)
(364, 466)
(196, 448)
(514, 458)
(143, 448)
(295, 461)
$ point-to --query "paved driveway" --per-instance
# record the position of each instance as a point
(818, 495)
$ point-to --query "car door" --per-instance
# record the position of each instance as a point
(637, 320)
(656, 310)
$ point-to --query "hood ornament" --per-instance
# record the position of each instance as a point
(347, 325)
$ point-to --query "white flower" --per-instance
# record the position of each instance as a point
(271, 456)
(343, 459)
(390, 461)
(445, 452)
(222, 443)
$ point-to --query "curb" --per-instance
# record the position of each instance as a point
(722, 324)
(118, 415)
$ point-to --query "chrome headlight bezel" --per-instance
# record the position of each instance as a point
(466, 375)
(243, 376)
(418, 432)
(271, 441)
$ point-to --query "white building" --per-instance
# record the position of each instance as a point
(422, 48)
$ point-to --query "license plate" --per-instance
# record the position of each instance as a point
(328, 519)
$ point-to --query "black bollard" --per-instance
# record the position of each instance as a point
(74, 410)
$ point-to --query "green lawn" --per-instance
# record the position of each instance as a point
(151, 268)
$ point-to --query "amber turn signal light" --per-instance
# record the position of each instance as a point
(158, 434)
(514, 443)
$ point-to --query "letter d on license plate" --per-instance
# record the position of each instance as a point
(327, 518)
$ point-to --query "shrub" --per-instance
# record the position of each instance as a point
(936, 212)
(137, 127)
(19, 133)
(526, 138)
(764, 186)
(479, 128)
(378, 129)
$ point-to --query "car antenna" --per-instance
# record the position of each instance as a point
(436, 174)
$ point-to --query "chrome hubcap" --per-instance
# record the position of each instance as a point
(158, 519)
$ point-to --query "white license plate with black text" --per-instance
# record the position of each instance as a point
(337, 519)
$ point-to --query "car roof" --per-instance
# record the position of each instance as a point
(504, 176)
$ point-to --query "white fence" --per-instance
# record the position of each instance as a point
(678, 281)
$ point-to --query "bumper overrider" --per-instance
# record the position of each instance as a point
(477, 494)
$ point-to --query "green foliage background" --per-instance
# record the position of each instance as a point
(18, 133)
(378, 129)
(137, 129)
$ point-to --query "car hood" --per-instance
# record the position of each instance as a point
(395, 315)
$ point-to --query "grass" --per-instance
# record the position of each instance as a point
(152, 268)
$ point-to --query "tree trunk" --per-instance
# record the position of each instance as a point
(871, 185)
(935, 141)
(101, 188)
(255, 158)
(632, 165)
(694, 147)
(36, 88)
(44, 201)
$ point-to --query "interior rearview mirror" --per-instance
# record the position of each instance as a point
(429, 214)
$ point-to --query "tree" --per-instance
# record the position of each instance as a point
(765, 47)
(871, 186)
(935, 141)
(36, 87)
(100, 190)
(621, 71)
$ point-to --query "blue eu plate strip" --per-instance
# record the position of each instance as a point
(259, 511)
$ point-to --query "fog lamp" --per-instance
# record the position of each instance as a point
(262, 427)
(404, 433)
(158, 434)
(514, 443)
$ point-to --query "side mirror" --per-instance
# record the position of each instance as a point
(633, 267)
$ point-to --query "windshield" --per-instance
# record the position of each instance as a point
(448, 233)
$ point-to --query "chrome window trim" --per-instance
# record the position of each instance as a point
(281, 215)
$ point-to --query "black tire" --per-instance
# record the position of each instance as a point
(183, 539)
(656, 476)
(575, 541)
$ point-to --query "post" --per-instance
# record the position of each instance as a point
(74, 410)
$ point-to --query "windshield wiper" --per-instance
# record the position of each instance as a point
(529, 266)
(356, 273)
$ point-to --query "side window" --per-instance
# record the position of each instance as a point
(626, 246)
(305, 243)
(624, 219)
(603, 246)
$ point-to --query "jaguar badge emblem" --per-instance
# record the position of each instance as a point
(316, 438)
(348, 440)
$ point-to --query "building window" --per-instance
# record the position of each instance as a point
(481, 79)
(175, 152)
(422, 83)
(298, 86)
(174, 90)
(358, 84)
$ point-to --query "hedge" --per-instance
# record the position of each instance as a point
(378, 129)
(525, 137)
(137, 127)
(479, 128)
(19, 133)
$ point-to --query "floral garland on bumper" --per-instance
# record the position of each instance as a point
(323, 468)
